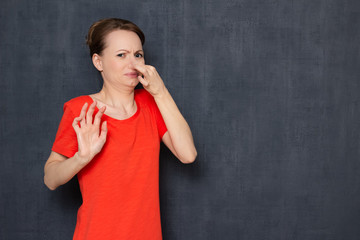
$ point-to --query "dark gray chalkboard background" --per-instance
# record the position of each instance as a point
(270, 88)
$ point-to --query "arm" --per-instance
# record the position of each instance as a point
(59, 169)
(178, 138)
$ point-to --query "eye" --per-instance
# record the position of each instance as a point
(138, 55)
(121, 55)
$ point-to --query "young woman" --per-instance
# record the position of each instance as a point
(111, 139)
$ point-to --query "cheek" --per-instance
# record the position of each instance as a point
(108, 65)
(115, 65)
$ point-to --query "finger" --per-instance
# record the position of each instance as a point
(98, 116)
(104, 130)
(142, 69)
(82, 114)
(151, 68)
(90, 112)
(143, 81)
(75, 124)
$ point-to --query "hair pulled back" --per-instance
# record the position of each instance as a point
(100, 29)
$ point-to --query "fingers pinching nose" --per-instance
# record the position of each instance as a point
(143, 81)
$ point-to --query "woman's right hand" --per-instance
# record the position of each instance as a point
(90, 137)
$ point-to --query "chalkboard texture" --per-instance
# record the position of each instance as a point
(271, 90)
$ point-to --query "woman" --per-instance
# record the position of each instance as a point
(111, 139)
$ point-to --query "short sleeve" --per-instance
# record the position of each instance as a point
(66, 141)
(150, 101)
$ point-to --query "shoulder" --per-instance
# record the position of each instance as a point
(75, 104)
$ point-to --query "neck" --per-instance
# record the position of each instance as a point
(117, 97)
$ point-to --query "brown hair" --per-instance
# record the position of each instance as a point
(101, 28)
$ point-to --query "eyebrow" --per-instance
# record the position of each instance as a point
(128, 50)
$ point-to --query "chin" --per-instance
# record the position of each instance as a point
(135, 83)
(130, 82)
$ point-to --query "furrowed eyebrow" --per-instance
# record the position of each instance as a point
(122, 50)
(129, 51)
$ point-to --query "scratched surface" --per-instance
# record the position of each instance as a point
(271, 90)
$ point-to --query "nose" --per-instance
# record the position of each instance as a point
(132, 62)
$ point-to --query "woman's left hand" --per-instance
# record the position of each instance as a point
(178, 137)
(151, 79)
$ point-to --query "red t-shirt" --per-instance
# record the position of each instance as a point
(120, 186)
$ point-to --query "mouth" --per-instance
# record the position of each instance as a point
(132, 74)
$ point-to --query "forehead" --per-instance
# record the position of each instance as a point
(123, 39)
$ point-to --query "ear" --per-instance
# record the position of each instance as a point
(96, 59)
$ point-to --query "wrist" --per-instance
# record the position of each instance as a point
(161, 94)
(82, 160)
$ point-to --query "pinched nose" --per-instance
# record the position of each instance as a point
(131, 66)
(132, 63)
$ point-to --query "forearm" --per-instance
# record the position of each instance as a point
(178, 129)
(60, 172)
